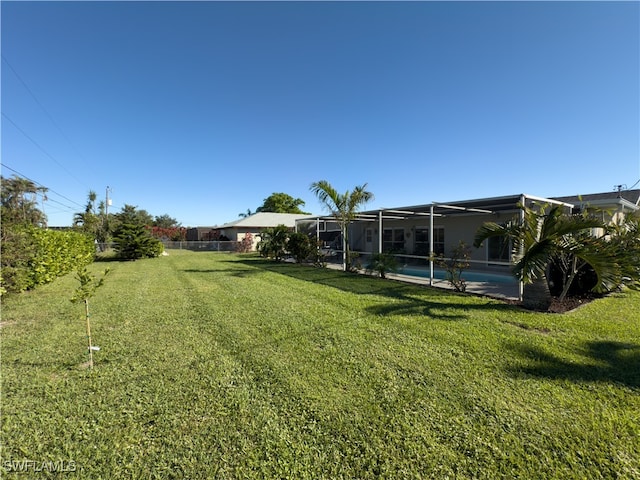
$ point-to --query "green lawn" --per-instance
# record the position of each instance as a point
(226, 366)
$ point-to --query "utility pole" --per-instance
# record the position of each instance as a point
(107, 201)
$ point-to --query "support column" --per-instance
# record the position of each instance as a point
(431, 245)
(379, 231)
(520, 282)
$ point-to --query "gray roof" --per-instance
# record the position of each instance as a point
(265, 220)
(632, 196)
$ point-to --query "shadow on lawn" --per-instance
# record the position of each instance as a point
(406, 299)
(235, 272)
(609, 361)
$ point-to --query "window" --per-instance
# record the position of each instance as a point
(421, 245)
(368, 235)
(499, 249)
(393, 240)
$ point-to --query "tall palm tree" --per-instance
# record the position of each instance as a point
(537, 239)
(344, 207)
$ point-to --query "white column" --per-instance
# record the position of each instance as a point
(379, 231)
(431, 245)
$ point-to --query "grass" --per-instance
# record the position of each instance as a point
(228, 366)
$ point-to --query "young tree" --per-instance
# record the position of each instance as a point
(382, 263)
(281, 203)
(87, 288)
(133, 242)
(455, 265)
(344, 207)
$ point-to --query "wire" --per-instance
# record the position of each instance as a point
(43, 150)
(24, 84)
(48, 189)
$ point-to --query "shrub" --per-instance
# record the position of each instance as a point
(455, 265)
(246, 244)
(299, 245)
(133, 242)
(381, 263)
(34, 256)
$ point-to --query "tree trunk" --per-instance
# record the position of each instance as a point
(536, 295)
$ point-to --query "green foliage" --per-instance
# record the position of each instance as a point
(545, 234)
(343, 207)
(88, 284)
(93, 221)
(59, 252)
(18, 249)
(33, 256)
(281, 203)
(133, 242)
(273, 242)
(621, 248)
(300, 246)
(165, 221)
(19, 204)
(132, 216)
(455, 265)
(382, 263)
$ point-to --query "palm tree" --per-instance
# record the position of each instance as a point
(537, 239)
(343, 207)
(273, 241)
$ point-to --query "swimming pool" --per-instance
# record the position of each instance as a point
(469, 276)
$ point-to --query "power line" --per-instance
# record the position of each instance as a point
(43, 150)
(24, 84)
(48, 189)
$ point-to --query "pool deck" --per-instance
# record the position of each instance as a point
(496, 290)
(505, 291)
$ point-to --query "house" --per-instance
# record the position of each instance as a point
(256, 223)
(411, 233)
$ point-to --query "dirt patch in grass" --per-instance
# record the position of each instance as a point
(569, 303)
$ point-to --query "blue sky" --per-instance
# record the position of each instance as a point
(201, 110)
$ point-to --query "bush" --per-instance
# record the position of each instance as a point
(381, 263)
(34, 256)
(456, 265)
(299, 245)
(133, 242)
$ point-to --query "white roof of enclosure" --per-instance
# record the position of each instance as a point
(437, 209)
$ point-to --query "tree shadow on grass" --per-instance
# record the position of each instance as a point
(235, 272)
(404, 299)
(607, 361)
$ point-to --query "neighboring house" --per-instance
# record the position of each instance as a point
(413, 232)
(612, 204)
(203, 234)
(256, 223)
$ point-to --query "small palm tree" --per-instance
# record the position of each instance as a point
(344, 207)
(382, 263)
(539, 238)
(273, 242)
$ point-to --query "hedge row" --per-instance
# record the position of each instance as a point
(33, 256)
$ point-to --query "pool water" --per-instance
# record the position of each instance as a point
(469, 276)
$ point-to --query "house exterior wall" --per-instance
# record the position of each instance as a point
(461, 227)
